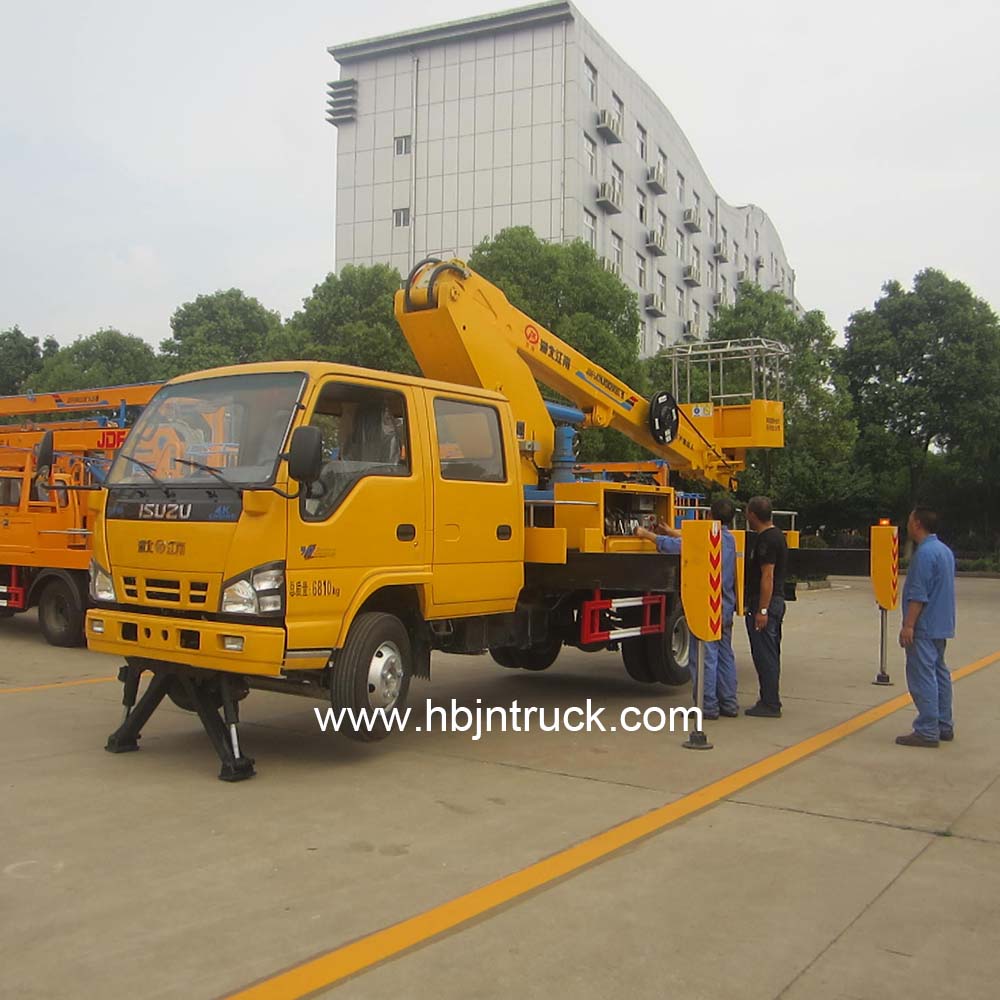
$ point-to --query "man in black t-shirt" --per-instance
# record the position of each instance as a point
(765, 606)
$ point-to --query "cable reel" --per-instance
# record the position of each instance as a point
(664, 417)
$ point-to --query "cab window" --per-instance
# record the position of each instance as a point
(365, 433)
(470, 445)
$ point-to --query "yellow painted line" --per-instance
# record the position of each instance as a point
(57, 684)
(327, 969)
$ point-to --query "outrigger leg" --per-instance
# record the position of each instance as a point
(126, 737)
(224, 736)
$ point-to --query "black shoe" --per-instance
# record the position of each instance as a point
(915, 740)
(710, 716)
(762, 711)
(946, 735)
(730, 713)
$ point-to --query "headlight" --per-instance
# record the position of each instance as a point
(102, 587)
(259, 591)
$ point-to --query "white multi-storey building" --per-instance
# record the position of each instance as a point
(452, 133)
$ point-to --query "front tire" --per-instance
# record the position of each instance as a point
(373, 671)
(59, 615)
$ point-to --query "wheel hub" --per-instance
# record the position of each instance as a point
(385, 676)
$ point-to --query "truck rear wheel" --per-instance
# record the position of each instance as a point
(373, 671)
(537, 657)
(59, 616)
(635, 656)
(670, 652)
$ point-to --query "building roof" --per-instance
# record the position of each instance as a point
(551, 12)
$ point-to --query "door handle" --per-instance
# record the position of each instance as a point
(504, 532)
(406, 532)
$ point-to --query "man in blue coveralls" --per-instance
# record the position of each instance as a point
(720, 663)
(928, 622)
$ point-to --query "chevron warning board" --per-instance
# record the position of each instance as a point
(885, 565)
(701, 578)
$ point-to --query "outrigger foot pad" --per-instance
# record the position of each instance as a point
(237, 770)
(117, 744)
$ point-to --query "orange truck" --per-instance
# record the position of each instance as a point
(45, 548)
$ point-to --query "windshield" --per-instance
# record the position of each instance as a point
(234, 424)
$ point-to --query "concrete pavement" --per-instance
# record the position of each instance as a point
(866, 870)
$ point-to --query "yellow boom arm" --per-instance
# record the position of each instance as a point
(462, 329)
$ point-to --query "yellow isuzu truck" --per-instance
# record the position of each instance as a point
(319, 529)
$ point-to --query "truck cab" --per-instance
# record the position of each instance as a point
(210, 555)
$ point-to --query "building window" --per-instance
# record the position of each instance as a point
(696, 313)
(696, 257)
(590, 229)
(723, 290)
(618, 180)
(680, 301)
(617, 257)
(640, 205)
(661, 285)
(711, 275)
(678, 244)
(661, 226)
(590, 75)
(640, 270)
(711, 225)
(661, 340)
(619, 105)
(756, 241)
(746, 264)
(590, 152)
(400, 217)
(680, 188)
(661, 163)
(697, 201)
(736, 253)
(723, 235)
(640, 141)
(401, 144)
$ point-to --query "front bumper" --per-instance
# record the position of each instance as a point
(193, 643)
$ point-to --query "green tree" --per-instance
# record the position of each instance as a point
(563, 288)
(21, 357)
(107, 357)
(224, 328)
(348, 319)
(923, 368)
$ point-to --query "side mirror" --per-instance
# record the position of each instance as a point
(45, 456)
(305, 456)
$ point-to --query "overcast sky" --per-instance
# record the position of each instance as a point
(153, 152)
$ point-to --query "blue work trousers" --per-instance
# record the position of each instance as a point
(720, 672)
(929, 681)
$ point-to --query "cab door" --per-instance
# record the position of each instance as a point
(478, 552)
(364, 525)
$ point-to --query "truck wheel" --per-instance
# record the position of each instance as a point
(373, 671)
(59, 616)
(537, 657)
(6, 612)
(635, 656)
(670, 652)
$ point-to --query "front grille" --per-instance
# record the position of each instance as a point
(159, 590)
